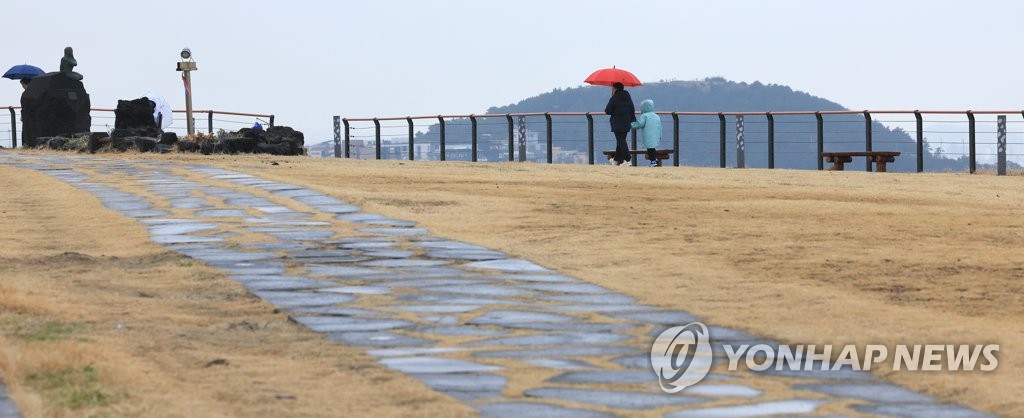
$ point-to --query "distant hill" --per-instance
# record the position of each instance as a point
(699, 138)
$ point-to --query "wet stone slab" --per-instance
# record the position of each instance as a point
(395, 223)
(220, 213)
(456, 300)
(517, 317)
(248, 201)
(605, 298)
(408, 352)
(397, 232)
(614, 399)
(723, 391)
(564, 352)
(181, 228)
(465, 386)
(797, 406)
(606, 376)
(294, 299)
(127, 205)
(554, 339)
(218, 255)
(297, 192)
(467, 255)
(570, 326)
(319, 200)
(529, 409)
(509, 265)
(388, 253)
(402, 263)
(305, 235)
(843, 373)
(450, 246)
(377, 339)
(285, 284)
(318, 253)
(869, 391)
(465, 288)
(929, 410)
(343, 271)
(337, 209)
(560, 364)
(278, 221)
(462, 331)
(349, 324)
(541, 278)
(421, 365)
(152, 213)
(333, 311)
(437, 309)
(189, 203)
(182, 239)
(358, 290)
(279, 210)
(368, 245)
(582, 288)
(599, 308)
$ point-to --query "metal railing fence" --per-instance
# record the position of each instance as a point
(103, 120)
(697, 138)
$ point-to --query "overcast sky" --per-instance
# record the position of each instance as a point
(305, 61)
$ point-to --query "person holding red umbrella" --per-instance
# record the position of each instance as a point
(623, 113)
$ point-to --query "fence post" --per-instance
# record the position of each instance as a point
(920, 140)
(348, 153)
(511, 138)
(1001, 145)
(337, 137)
(821, 139)
(271, 121)
(971, 137)
(412, 138)
(721, 139)
(590, 138)
(14, 128)
(376, 136)
(440, 120)
(472, 121)
(771, 139)
(675, 139)
(741, 158)
(209, 121)
(522, 138)
(867, 138)
(551, 141)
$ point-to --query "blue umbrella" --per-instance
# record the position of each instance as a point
(19, 72)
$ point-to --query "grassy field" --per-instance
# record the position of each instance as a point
(803, 257)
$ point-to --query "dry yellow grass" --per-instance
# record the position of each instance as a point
(96, 320)
(799, 256)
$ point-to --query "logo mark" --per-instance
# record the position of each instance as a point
(681, 356)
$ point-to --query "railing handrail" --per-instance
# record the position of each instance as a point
(217, 112)
(695, 113)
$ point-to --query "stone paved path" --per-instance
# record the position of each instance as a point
(7, 408)
(506, 336)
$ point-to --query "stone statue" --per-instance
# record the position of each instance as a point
(69, 62)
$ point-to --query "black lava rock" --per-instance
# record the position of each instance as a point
(54, 105)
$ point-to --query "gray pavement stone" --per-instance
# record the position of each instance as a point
(615, 399)
(529, 409)
(796, 406)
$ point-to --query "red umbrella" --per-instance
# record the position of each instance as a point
(609, 76)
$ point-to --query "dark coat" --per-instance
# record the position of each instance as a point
(622, 112)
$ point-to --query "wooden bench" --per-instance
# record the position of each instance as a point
(880, 158)
(661, 154)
